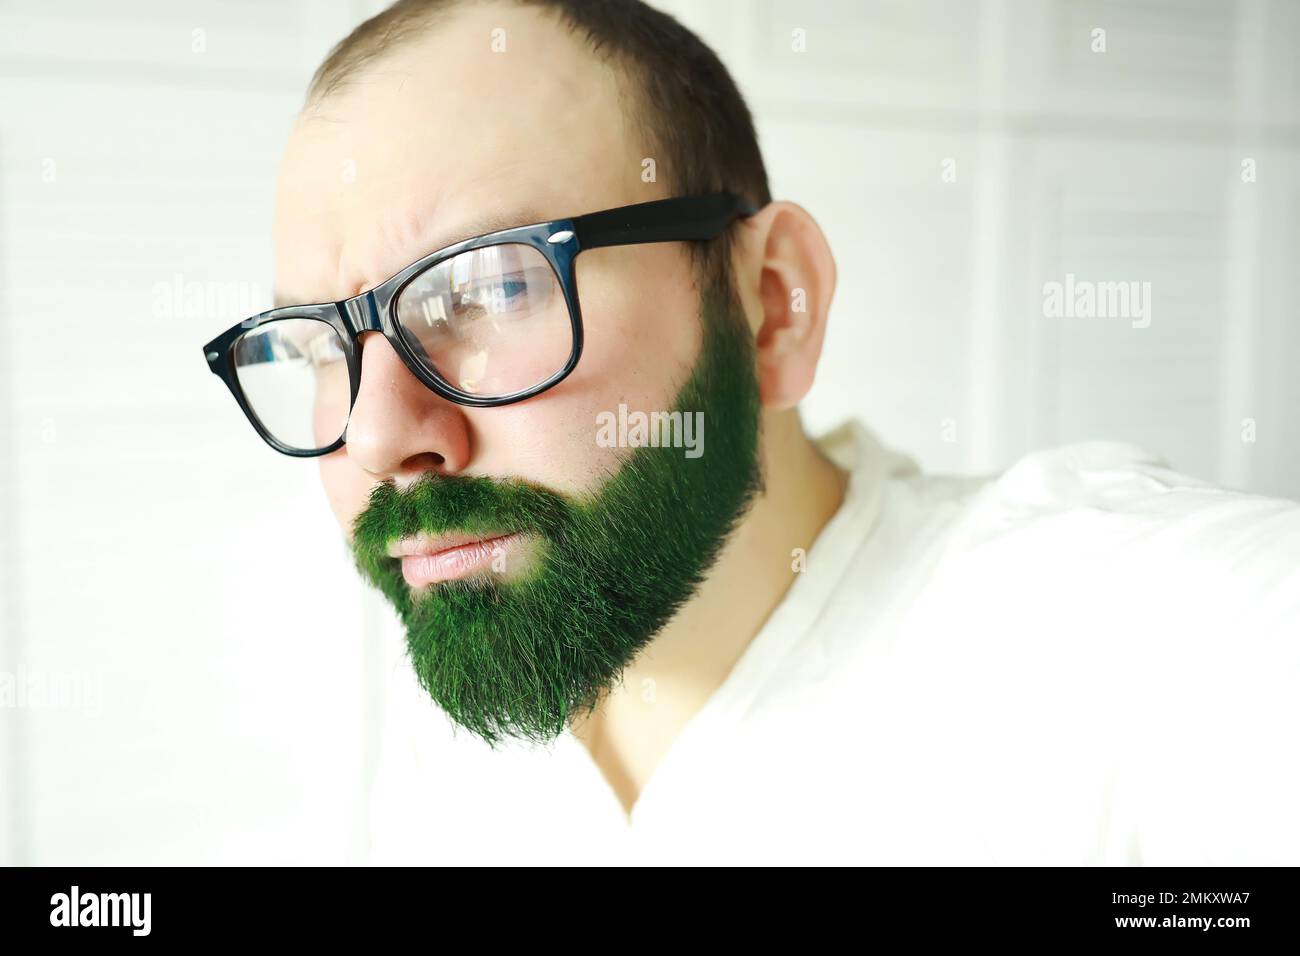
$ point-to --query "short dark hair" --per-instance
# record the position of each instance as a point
(699, 124)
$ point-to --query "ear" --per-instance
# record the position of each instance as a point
(788, 264)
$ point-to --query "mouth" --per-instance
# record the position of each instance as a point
(430, 559)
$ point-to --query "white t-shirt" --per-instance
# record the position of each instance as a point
(1089, 659)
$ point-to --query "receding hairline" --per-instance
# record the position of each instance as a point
(351, 55)
(354, 54)
(357, 53)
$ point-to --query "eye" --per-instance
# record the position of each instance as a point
(513, 285)
(495, 295)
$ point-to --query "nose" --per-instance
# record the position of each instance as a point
(399, 428)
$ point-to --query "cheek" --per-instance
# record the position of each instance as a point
(347, 488)
(641, 314)
(642, 334)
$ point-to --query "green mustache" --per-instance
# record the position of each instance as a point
(436, 504)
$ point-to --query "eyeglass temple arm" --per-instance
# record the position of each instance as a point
(662, 220)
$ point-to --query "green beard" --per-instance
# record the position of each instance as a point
(516, 659)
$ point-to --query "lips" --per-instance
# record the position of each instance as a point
(429, 559)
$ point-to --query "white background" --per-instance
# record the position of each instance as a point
(188, 585)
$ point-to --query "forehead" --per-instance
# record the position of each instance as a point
(496, 115)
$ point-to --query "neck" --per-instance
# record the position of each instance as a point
(690, 658)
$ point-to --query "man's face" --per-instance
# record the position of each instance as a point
(429, 142)
(448, 138)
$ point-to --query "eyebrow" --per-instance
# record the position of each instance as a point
(479, 225)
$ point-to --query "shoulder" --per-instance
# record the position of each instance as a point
(1120, 502)
(1108, 539)
(1077, 522)
(1108, 475)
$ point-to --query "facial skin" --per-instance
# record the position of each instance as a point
(443, 139)
(441, 136)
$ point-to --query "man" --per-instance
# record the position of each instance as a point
(648, 617)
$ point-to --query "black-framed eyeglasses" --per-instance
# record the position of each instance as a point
(487, 321)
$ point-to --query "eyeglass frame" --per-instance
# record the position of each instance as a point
(678, 219)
